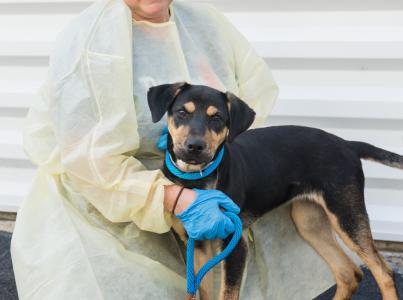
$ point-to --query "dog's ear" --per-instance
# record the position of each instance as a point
(241, 116)
(160, 97)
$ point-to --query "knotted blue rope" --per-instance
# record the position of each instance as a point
(193, 175)
(193, 281)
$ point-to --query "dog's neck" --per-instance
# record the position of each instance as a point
(204, 176)
(211, 167)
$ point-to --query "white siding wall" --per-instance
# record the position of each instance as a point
(339, 66)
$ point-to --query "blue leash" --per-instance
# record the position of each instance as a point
(193, 281)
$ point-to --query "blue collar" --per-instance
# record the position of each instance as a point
(193, 175)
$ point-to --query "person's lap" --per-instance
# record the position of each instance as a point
(85, 254)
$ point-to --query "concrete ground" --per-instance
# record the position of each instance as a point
(8, 289)
(368, 289)
(7, 226)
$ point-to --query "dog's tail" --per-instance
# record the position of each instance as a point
(370, 152)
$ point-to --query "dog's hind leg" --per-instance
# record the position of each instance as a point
(313, 225)
(350, 220)
(232, 271)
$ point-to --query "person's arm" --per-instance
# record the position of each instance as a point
(41, 146)
(256, 85)
(185, 199)
(93, 158)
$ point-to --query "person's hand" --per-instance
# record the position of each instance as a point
(203, 219)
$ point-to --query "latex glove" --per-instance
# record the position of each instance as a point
(162, 143)
(203, 218)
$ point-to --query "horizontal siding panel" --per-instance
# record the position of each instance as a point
(14, 87)
(330, 50)
(15, 100)
(386, 230)
(340, 78)
(9, 203)
(385, 197)
(379, 171)
(11, 151)
(24, 73)
(14, 184)
(10, 123)
(329, 91)
(11, 144)
(348, 109)
(390, 139)
(386, 222)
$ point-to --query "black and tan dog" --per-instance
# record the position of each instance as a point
(263, 168)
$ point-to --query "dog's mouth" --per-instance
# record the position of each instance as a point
(190, 163)
(190, 166)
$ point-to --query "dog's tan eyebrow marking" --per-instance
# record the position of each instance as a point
(211, 110)
(190, 106)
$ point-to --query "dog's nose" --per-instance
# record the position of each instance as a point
(195, 146)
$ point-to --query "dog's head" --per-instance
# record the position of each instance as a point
(200, 119)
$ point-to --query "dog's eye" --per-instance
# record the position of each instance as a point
(216, 117)
(182, 113)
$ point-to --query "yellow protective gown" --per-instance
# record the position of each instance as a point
(93, 224)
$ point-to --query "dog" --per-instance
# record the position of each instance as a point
(319, 173)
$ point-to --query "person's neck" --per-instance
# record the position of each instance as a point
(157, 18)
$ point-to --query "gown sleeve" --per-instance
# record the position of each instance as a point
(256, 84)
(92, 140)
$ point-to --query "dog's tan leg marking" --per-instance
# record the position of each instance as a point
(313, 225)
(232, 292)
(226, 292)
(179, 229)
(366, 250)
(204, 253)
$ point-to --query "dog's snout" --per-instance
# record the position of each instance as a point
(195, 145)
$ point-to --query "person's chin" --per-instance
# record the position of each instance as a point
(154, 8)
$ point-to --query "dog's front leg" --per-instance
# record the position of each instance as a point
(203, 253)
(232, 270)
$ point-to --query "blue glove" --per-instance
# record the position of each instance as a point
(162, 143)
(204, 220)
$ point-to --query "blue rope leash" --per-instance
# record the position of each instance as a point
(193, 281)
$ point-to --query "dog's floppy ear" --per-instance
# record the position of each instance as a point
(241, 116)
(160, 97)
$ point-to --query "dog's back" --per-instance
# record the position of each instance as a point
(274, 164)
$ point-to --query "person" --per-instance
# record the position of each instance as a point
(96, 221)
